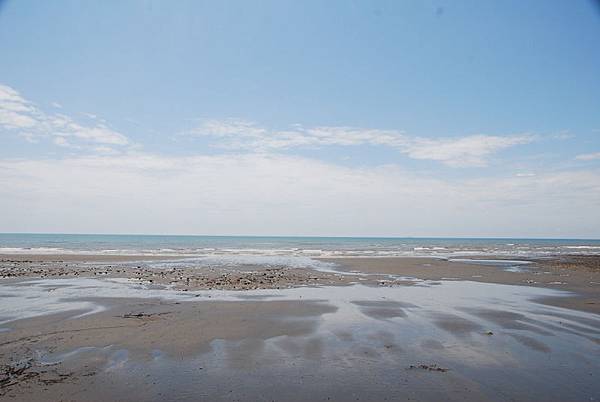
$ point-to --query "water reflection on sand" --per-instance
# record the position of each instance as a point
(371, 343)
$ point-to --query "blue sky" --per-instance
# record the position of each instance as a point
(472, 118)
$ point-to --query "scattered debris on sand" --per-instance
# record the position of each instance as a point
(143, 316)
(24, 371)
(428, 367)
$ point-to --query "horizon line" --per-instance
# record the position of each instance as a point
(304, 236)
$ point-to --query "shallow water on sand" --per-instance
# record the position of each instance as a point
(376, 343)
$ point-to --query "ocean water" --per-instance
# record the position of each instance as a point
(271, 248)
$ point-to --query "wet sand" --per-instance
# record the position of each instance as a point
(577, 274)
(462, 332)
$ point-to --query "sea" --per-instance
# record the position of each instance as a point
(276, 246)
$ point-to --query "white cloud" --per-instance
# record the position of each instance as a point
(98, 134)
(105, 150)
(471, 150)
(15, 112)
(241, 134)
(277, 194)
(588, 157)
(263, 191)
(28, 121)
(465, 151)
(61, 142)
(29, 137)
(229, 127)
(19, 115)
(90, 115)
(564, 135)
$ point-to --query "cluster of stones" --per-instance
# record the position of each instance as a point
(187, 278)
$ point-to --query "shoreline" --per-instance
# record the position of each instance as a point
(84, 257)
(579, 274)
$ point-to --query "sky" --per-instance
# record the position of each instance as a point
(338, 118)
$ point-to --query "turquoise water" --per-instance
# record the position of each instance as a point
(23, 243)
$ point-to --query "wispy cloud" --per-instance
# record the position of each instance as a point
(563, 135)
(61, 142)
(473, 150)
(15, 112)
(588, 157)
(465, 151)
(23, 117)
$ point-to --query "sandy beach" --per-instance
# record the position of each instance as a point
(113, 328)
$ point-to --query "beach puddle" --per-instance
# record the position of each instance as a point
(519, 266)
